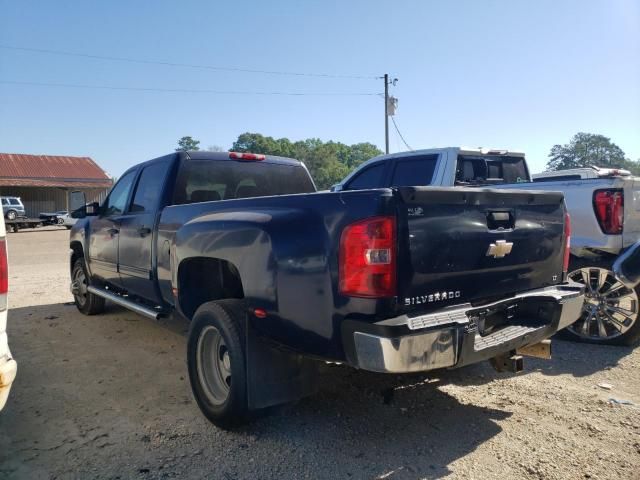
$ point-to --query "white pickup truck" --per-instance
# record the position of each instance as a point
(605, 220)
(8, 365)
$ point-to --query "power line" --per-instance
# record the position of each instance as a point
(184, 90)
(185, 65)
(398, 130)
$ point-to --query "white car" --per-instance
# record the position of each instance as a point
(8, 366)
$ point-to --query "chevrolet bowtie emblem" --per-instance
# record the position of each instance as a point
(500, 249)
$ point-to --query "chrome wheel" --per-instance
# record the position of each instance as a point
(79, 287)
(11, 215)
(610, 308)
(214, 365)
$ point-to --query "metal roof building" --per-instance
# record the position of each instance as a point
(44, 182)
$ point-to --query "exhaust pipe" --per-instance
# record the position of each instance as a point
(508, 363)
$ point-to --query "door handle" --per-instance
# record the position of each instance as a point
(113, 231)
(144, 231)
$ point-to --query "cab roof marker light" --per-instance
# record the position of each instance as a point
(246, 156)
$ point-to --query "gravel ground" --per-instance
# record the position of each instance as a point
(108, 397)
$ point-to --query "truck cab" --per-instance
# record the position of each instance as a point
(447, 167)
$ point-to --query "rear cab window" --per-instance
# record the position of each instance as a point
(211, 180)
(491, 170)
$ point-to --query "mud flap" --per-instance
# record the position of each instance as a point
(275, 377)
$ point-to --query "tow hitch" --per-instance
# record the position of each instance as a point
(507, 362)
(514, 361)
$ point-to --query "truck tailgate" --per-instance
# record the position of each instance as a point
(459, 245)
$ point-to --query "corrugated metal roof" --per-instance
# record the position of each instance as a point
(45, 167)
(29, 182)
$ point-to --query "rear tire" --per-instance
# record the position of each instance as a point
(217, 362)
(611, 312)
(12, 215)
(87, 302)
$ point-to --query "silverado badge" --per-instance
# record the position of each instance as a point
(500, 249)
(432, 297)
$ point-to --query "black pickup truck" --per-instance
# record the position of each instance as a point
(273, 275)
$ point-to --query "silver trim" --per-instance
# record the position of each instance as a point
(123, 302)
(458, 313)
(413, 353)
(438, 342)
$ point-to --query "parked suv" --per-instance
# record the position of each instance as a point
(12, 208)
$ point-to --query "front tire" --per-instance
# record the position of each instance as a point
(86, 302)
(216, 360)
(611, 311)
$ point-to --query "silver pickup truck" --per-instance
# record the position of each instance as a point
(605, 220)
(604, 205)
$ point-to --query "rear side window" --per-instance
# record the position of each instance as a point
(14, 201)
(149, 187)
(211, 180)
(368, 178)
(414, 172)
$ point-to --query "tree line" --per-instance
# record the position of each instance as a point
(329, 162)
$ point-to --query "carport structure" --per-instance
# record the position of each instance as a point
(44, 182)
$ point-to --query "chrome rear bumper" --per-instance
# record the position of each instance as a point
(454, 337)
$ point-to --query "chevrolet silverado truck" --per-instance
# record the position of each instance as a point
(8, 365)
(603, 227)
(274, 276)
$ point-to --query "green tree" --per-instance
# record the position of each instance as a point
(585, 150)
(328, 162)
(187, 143)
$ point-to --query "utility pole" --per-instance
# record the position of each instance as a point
(386, 113)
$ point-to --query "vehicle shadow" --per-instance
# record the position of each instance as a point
(361, 420)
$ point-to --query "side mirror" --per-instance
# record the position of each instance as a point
(336, 188)
(627, 266)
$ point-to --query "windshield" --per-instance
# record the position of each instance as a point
(210, 180)
(491, 170)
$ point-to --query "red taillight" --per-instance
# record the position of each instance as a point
(567, 242)
(368, 258)
(4, 274)
(609, 208)
(256, 157)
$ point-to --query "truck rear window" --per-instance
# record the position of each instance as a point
(210, 180)
(491, 170)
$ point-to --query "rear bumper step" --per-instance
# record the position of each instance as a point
(454, 337)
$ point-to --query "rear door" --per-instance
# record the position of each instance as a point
(105, 230)
(137, 234)
(462, 245)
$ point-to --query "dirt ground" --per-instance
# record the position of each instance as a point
(108, 397)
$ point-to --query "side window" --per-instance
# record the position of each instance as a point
(369, 178)
(416, 171)
(14, 201)
(5, 201)
(116, 202)
(149, 187)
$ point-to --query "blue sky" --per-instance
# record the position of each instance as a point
(509, 74)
